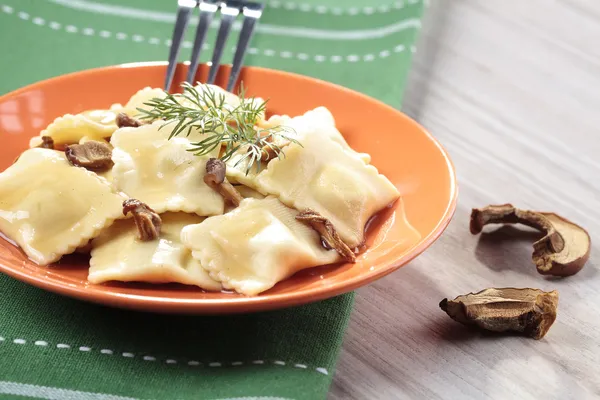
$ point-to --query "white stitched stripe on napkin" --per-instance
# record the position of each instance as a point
(53, 393)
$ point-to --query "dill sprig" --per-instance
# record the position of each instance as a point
(233, 127)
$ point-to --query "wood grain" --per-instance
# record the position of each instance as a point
(512, 90)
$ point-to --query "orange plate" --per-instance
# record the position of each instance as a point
(400, 148)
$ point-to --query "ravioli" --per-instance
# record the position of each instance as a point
(320, 122)
(236, 169)
(161, 172)
(323, 176)
(255, 246)
(245, 192)
(50, 208)
(71, 129)
(143, 96)
(118, 255)
(249, 192)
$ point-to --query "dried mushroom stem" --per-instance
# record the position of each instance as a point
(530, 312)
(215, 178)
(91, 155)
(146, 220)
(272, 150)
(564, 249)
(124, 120)
(329, 236)
(267, 154)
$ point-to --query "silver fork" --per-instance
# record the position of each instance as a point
(230, 9)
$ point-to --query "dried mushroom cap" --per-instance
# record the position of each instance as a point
(564, 249)
(215, 171)
(90, 155)
(528, 311)
(124, 120)
(329, 236)
(146, 220)
(215, 178)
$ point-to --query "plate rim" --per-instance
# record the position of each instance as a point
(242, 304)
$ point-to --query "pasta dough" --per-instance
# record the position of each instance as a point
(161, 172)
(236, 169)
(142, 96)
(245, 192)
(118, 255)
(255, 246)
(50, 208)
(249, 192)
(320, 122)
(71, 129)
(321, 175)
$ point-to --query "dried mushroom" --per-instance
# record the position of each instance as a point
(146, 220)
(564, 249)
(90, 155)
(329, 236)
(47, 143)
(528, 311)
(215, 178)
(272, 147)
(124, 120)
(267, 154)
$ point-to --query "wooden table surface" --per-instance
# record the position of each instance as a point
(512, 90)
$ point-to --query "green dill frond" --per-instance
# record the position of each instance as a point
(232, 127)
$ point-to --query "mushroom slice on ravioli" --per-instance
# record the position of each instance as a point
(161, 172)
(119, 255)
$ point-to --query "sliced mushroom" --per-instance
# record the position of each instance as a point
(273, 148)
(146, 220)
(267, 154)
(215, 178)
(329, 236)
(47, 143)
(564, 249)
(124, 120)
(91, 155)
(527, 311)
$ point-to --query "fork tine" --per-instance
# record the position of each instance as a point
(229, 14)
(208, 8)
(184, 10)
(252, 13)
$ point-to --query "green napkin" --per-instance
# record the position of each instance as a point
(57, 348)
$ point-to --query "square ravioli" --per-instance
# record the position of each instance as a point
(161, 172)
(50, 208)
(71, 129)
(318, 122)
(321, 175)
(256, 245)
(118, 255)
